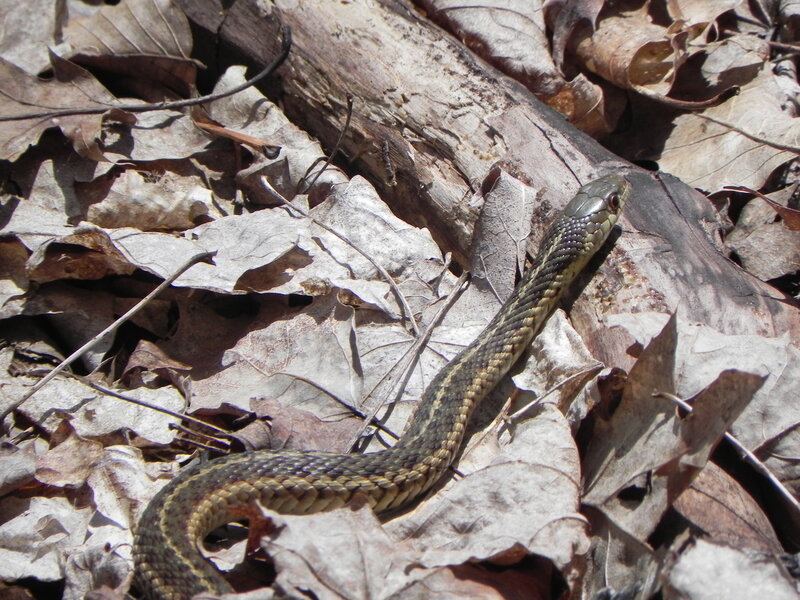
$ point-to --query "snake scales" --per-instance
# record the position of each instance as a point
(168, 563)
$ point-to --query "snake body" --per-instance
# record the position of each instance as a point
(168, 563)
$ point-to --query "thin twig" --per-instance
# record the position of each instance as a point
(150, 405)
(108, 330)
(412, 355)
(746, 455)
(392, 284)
(336, 148)
(286, 44)
(350, 408)
(747, 134)
(517, 415)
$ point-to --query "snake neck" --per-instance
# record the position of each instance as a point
(442, 416)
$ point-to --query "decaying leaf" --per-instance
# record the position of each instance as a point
(146, 44)
(520, 498)
(742, 140)
(73, 87)
(250, 113)
(722, 509)
(37, 533)
(346, 554)
(768, 421)
(646, 454)
(705, 571)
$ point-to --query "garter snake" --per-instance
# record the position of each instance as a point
(168, 563)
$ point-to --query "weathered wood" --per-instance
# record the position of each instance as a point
(443, 118)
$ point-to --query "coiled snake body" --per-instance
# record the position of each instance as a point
(168, 563)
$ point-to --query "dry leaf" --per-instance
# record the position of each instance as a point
(143, 45)
(726, 513)
(768, 423)
(631, 51)
(37, 534)
(250, 113)
(645, 455)
(769, 252)
(535, 465)
(566, 18)
(73, 87)
(17, 468)
(512, 37)
(742, 141)
(93, 415)
(347, 554)
(501, 233)
(29, 29)
(301, 367)
(707, 571)
(149, 203)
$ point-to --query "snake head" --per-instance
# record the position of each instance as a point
(600, 199)
(587, 220)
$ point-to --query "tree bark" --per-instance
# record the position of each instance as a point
(430, 121)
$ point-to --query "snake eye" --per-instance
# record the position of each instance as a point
(613, 201)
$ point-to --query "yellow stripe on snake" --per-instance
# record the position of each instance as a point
(169, 565)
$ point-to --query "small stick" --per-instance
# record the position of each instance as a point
(748, 456)
(157, 408)
(400, 298)
(412, 354)
(336, 147)
(518, 414)
(110, 329)
(286, 44)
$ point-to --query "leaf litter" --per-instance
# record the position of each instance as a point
(526, 493)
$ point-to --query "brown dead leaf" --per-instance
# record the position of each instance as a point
(143, 46)
(790, 216)
(644, 456)
(72, 87)
(37, 534)
(69, 463)
(347, 554)
(536, 467)
(298, 429)
(768, 425)
(708, 571)
(512, 36)
(742, 140)
(558, 361)
(85, 254)
(17, 468)
(251, 113)
(769, 251)
(77, 314)
(628, 49)
(149, 366)
(29, 29)
(727, 514)
(100, 573)
(618, 563)
(92, 415)
(13, 276)
(147, 201)
(566, 18)
(501, 233)
(301, 367)
(85, 533)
